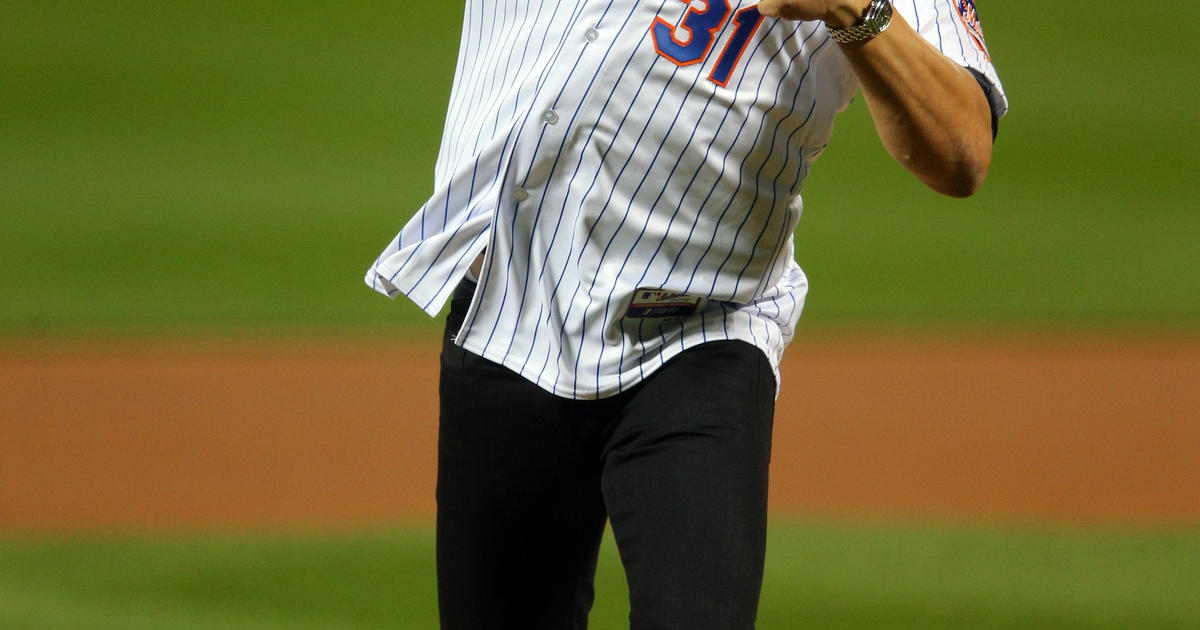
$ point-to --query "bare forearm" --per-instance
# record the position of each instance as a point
(929, 111)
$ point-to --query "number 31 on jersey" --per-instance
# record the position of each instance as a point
(690, 41)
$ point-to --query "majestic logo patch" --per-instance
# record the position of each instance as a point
(970, 19)
(657, 303)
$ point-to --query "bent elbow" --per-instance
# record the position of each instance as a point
(963, 178)
(963, 184)
(954, 170)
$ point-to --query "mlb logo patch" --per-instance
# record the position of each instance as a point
(970, 19)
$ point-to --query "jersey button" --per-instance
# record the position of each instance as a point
(550, 117)
(591, 35)
(520, 194)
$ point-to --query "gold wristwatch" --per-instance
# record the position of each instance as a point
(875, 21)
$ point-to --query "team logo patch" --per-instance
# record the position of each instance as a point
(657, 303)
(970, 19)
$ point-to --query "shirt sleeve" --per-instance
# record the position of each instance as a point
(953, 26)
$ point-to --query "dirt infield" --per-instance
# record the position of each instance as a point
(193, 435)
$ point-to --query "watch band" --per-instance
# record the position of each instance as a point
(876, 20)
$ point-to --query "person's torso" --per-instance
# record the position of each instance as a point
(632, 170)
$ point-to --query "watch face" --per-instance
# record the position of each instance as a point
(876, 21)
(881, 15)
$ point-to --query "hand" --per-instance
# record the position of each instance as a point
(834, 13)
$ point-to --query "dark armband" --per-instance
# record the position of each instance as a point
(989, 91)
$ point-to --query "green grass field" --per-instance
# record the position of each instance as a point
(830, 576)
(232, 167)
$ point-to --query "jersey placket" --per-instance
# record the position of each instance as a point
(509, 303)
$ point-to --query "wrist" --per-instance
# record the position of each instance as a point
(846, 13)
(875, 19)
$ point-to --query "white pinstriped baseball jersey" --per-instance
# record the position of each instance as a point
(598, 147)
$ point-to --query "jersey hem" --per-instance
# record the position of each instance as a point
(614, 385)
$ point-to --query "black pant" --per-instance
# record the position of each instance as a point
(526, 480)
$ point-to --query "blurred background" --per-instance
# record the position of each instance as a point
(989, 416)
